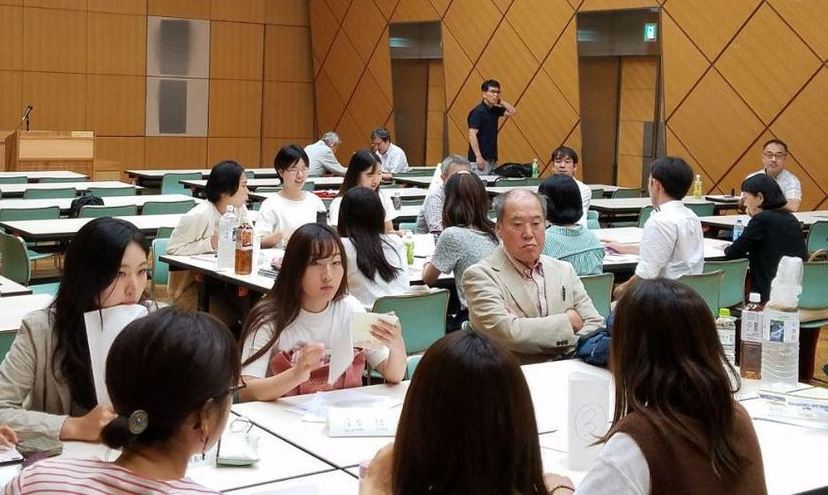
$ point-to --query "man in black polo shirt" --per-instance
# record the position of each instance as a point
(483, 127)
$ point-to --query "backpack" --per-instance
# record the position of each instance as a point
(87, 198)
(514, 170)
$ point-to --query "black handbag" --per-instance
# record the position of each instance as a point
(514, 170)
(87, 198)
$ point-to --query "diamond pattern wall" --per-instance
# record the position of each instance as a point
(735, 74)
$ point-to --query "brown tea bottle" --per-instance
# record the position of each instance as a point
(750, 351)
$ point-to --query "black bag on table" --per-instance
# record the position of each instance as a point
(87, 198)
(514, 170)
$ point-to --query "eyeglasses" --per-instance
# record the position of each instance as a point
(778, 156)
(296, 170)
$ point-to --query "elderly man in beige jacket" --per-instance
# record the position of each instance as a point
(534, 304)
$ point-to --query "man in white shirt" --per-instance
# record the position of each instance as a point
(565, 161)
(391, 156)
(430, 218)
(774, 154)
(322, 158)
(672, 244)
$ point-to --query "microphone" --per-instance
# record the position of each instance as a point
(25, 117)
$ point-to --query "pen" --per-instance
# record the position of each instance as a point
(563, 293)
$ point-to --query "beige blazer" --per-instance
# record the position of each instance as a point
(34, 398)
(500, 306)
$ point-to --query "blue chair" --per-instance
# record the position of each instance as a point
(160, 270)
(103, 192)
(167, 207)
(422, 316)
(170, 183)
(92, 211)
(57, 193)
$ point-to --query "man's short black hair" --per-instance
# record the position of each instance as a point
(224, 178)
(489, 83)
(562, 152)
(381, 133)
(776, 141)
(674, 174)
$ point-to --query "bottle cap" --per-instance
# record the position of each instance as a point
(724, 313)
(754, 297)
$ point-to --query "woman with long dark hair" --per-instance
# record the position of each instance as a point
(171, 377)
(364, 170)
(289, 332)
(46, 385)
(377, 264)
(676, 427)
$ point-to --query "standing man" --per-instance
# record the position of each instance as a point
(391, 156)
(774, 154)
(565, 161)
(482, 122)
(321, 156)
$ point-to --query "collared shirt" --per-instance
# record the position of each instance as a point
(788, 182)
(484, 119)
(586, 197)
(672, 243)
(394, 160)
(533, 281)
(430, 217)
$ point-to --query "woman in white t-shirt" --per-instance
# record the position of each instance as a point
(364, 170)
(377, 264)
(291, 207)
(306, 315)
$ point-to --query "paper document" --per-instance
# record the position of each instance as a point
(314, 408)
(424, 245)
(361, 328)
(102, 326)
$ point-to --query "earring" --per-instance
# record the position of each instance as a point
(204, 449)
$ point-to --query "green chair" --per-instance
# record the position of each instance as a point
(533, 181)
(422, 316)
(167, 207)
(170, 183)
(818, 236)
(14, 180)
(644, 215)
(269, 189)
(701, 209)
(15, 264)
(103, 192)
(20, 214)
(733, 281)
(308, 186)
(708, 286)
(6, 341)
(411, 364)
(814, 297)
(257, 205)
(58, 193)
(412, 226)
(592, 220)
(248, 173)
(599, 289)
(55, 180)
(412, 201)
(164, 232)
(597, 193)
(511, 182)
(626, 192)
(91, 211)
(415, 172)
(160, 270)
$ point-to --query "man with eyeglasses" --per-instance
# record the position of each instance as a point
(482, 122)
(391, 156)
(774, 154)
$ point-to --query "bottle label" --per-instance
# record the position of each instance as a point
(751, 326)
(780, 327)
(727, 338)
(244, 238)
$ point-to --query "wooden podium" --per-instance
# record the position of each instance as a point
(51, 150)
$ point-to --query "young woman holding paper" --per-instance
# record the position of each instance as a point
(306, 317)
(171, 377)
(48, 363)
(676, 428)
(377, 264)
(364, 170)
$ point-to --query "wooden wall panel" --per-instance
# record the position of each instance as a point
(364, 25)
(472, 22)
(11, 99)
(414, 11)
(539, 28)
(135, 7)
(808, 20)
(238, 10)
(54, 40)
(128, 152)
(11, 37)
(562, 66)
(507, 60)
(344, 66)
(287, 12)
(236, 50)
(176, 152)
(682, 64)
(370, 107)
(117, 44)
(190, 9)
(288, 54)
(115, 105)
(246, 151)
(57, 4)
(380, 66)
(544, 117)
(270, 146)
(235, 108)
(59, 100)
(711, 23)
(285, 110)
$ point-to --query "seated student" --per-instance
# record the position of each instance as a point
(774, 154)
(672, 244)
(676, 427)
(172, 400)
(772, 232)
(565, 160)
(308, 311)
(363, 171)
(322, 157)
(566, 239)
(46, 384)
(291, 207)
(533, 303)
(392, 156)
(469, 236)
(430, 217)
(467, 426)
(377, 262)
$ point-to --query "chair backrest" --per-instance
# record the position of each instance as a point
(249, 174)
(167, 207)
(422, 316)
(625, 192)
(708, 286)
(6, 341)
(103, 192)
(818, 236)
(411, 364)
(269, 189)
(14, 180)
(160, 270)
(308, 186)
(412, 226)
(644, 215)
(533, 181)
(701, 209)
(733, 281)
(90, 211)
(597, 193)
(164, 232)
(415, 172)
(53, 180)
(14, 259)
(57, 193)
(511, 181)
(814, 285)
(45, 213)
(599, 289)
(170, 184)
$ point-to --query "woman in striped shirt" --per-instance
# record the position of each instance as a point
(171, 377)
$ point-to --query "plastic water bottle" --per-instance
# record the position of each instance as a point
(750, 352)
(697, 187)
(780, 325)
(408, 242)
(738, 229)
(226, 243)
(535, 168)
(726, 328)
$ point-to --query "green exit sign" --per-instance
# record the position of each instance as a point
(650, 31)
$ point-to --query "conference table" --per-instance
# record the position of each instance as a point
(17, 190)
(726, 222)
(10, 288)
(13, 309)
(152, 178)
(34, 176)
(199, 186)
(713, 248)
(412, 193)
(495, 190)
(65, 203)
(65, 228)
